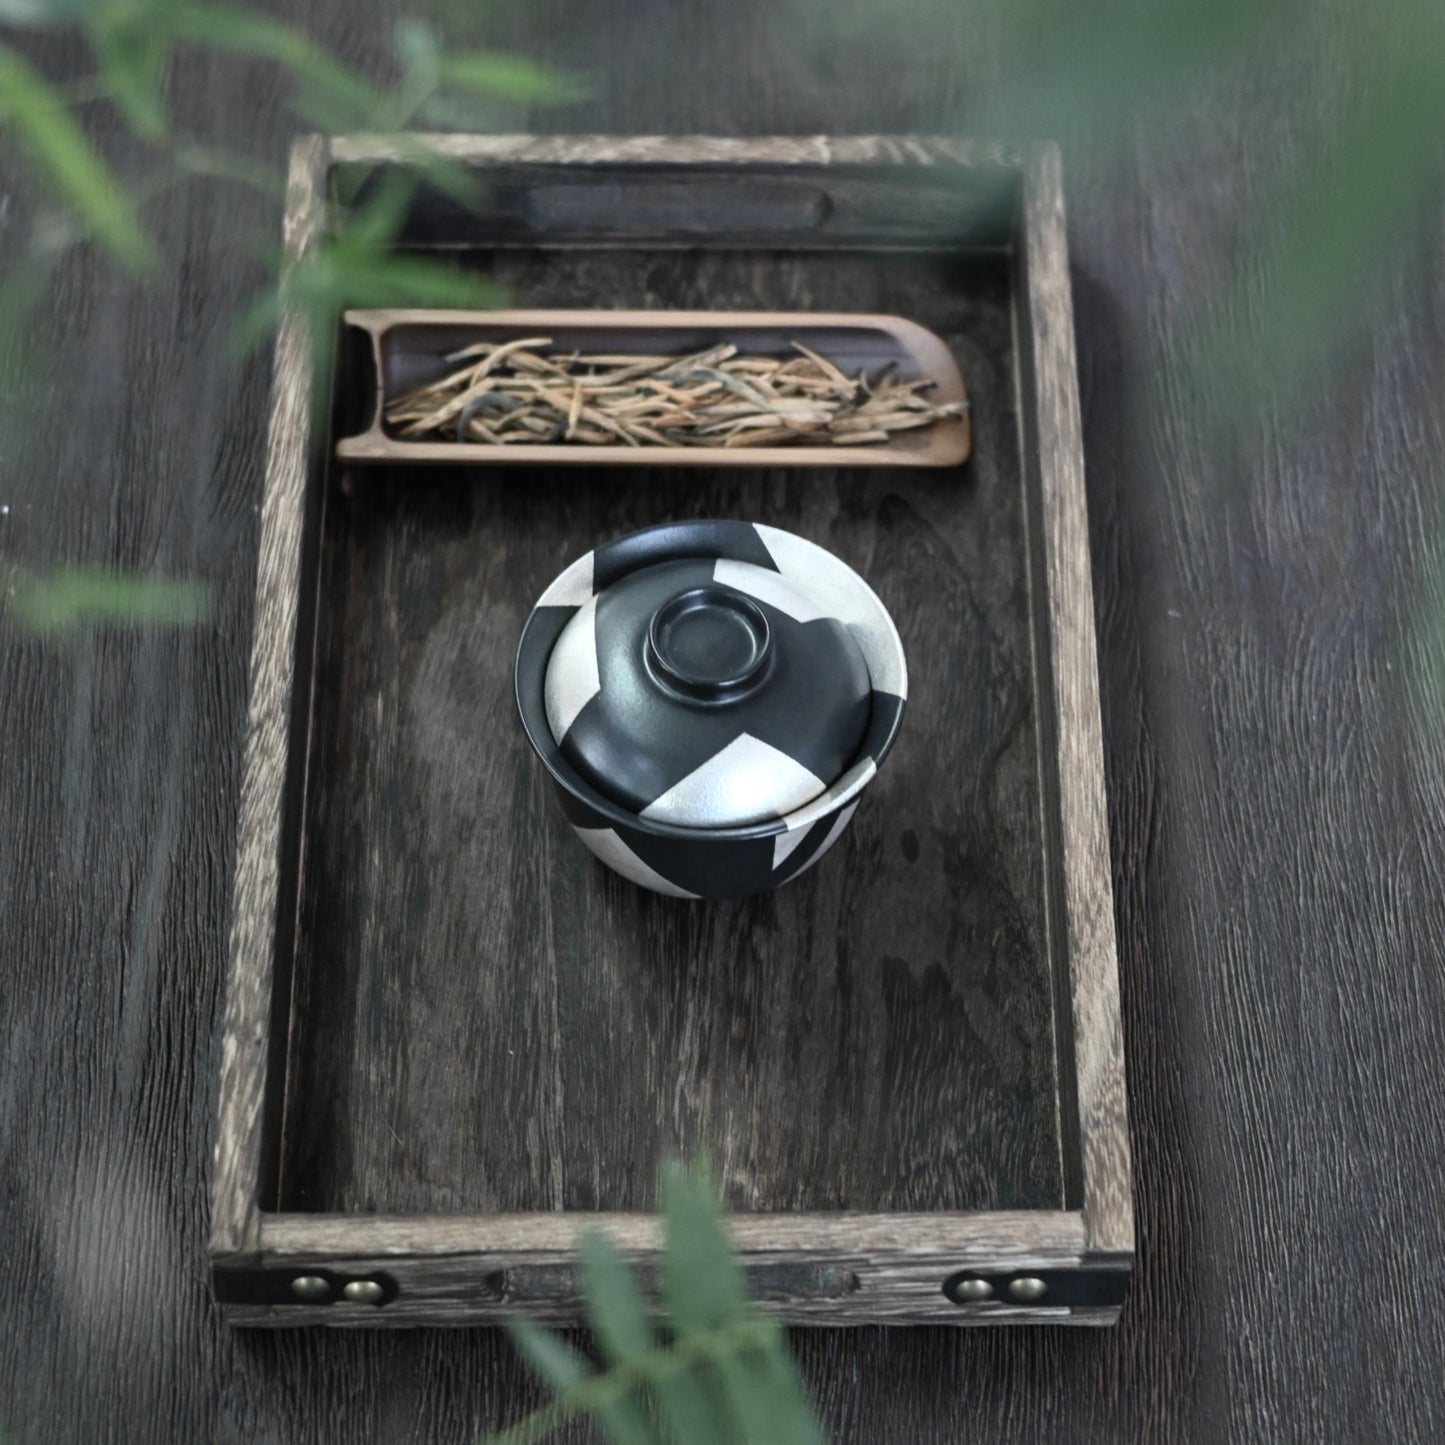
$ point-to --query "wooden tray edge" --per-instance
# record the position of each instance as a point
(238, 1223)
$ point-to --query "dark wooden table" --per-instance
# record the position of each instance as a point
(1268, 605)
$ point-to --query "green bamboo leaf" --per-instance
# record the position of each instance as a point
(419, 51)
(336, 278)
(337, 95)
(222, 165)
(133, 64)
(42, 14)
(1135, 59)
(381, 278)
(24, 285)
(615, 1310)
(376, 219)
(29, 103)
(417, 46)
(695, 1407)
(625, 1422)
(702, 1282)
(452, 112)
(416, 164)
(724, 1377)
(75, 596)
(618, 1317)
(765, 1392)
(256, 323)
(558, 1365)
(552, 1359)
(509, 77)
(1304, 287)
(442, 173)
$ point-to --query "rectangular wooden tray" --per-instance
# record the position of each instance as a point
(409, 349)
(453, 1041)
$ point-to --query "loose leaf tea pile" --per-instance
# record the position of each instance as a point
(512, 394)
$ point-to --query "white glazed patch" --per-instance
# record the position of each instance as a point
(745, 782)
(570, 588)
(767, 586)
(838, 591)
(572, 678)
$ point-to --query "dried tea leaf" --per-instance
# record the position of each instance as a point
(710, 398)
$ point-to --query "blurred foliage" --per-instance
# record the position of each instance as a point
(33, 110)
(358, 266)
(1083, 72)
(713, 1370)
(77, 596)
(1350, 196)
(132, 46)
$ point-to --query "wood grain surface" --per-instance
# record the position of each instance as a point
(1267, 605)
(246, 1043)
(809, 1268)
(1090, 1067)
(484, 1018)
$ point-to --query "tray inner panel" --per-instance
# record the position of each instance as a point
(483, 1018)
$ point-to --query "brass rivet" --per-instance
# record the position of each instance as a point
(1027, 1287)
(364, 1292)
(310, 1287)
(971, 1291)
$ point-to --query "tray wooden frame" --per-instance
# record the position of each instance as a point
(812, 1268)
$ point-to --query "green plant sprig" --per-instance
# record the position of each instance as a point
(714, 1369)
(600, 1393)
(133, 44)
(73, 597)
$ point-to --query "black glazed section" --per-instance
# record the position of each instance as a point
(709, 643)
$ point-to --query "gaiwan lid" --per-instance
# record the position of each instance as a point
(707, 694)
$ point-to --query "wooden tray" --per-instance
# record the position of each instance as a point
(452, 1039)
(409, 349)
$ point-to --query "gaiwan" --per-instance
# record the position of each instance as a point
(710, 699)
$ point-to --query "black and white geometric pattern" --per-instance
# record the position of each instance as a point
(706, 761)
(656, 785)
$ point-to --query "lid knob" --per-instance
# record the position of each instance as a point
(709, 643)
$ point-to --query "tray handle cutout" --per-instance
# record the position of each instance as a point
(699, 207)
